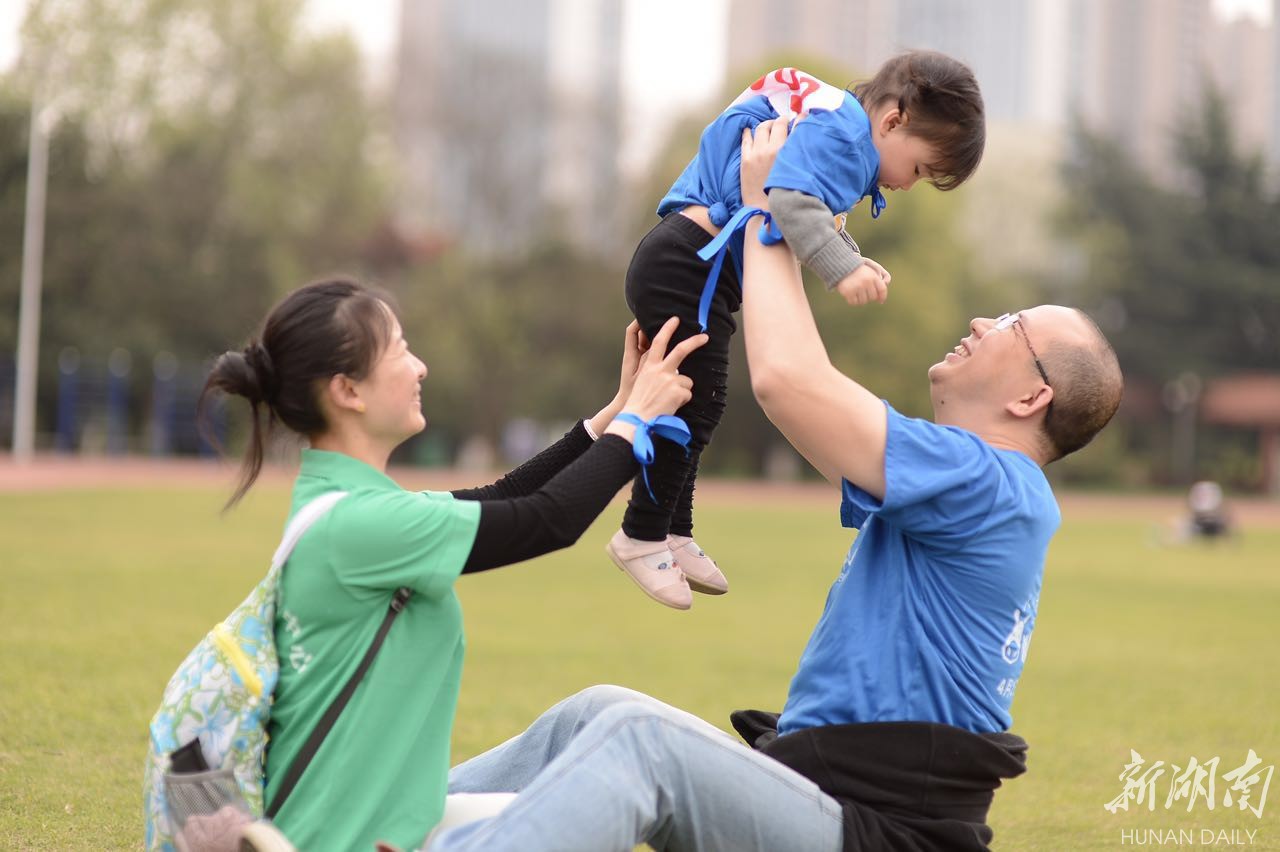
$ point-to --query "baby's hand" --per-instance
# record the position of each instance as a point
(868, 283)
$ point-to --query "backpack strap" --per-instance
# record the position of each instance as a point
(326, 723)
(307, 515)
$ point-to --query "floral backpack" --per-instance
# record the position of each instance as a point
(209, 736)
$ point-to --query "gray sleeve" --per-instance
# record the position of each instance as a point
(809, 228)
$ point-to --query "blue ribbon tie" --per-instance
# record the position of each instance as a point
(719, 247)
(877, 202)
(664, 426)
(770, 233)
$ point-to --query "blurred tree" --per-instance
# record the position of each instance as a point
(1187, 276)
(225, 155)
(538, 338)
(1184, 277)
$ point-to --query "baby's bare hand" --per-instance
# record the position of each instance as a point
(884, 273)
(864, 285)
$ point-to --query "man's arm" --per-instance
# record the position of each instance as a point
(834, 422)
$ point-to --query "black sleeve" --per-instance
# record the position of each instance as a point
(519, 528)
(534, 473)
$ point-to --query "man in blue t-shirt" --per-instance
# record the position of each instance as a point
(895, 730)
(931, 615)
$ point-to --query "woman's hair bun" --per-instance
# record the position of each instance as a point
(248, 373)
(259, 360)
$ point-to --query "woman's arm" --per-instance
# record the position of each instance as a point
(533, 474)
(554, 516)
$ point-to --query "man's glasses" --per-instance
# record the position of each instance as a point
(1014, 320)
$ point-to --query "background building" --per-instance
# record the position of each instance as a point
(1004, 41)
(1275, 85)
(1242, 65)
(507, 114)
(1160, 49)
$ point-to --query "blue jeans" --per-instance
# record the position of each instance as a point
(610, 768)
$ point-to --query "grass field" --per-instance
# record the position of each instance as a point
(1169, 651)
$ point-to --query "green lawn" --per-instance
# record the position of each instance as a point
(1172, 652)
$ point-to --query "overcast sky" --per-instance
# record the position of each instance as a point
(658, 89)
(374, 21)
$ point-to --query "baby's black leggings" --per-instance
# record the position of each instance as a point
(665, 279)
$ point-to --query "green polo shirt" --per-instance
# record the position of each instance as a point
(382, 772)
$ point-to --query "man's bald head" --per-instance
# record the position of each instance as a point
(1086, 379)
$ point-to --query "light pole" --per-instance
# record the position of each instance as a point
(24, 407)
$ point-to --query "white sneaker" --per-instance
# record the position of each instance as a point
(698, 568)
(652, 567)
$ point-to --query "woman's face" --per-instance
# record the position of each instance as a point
(392, 392)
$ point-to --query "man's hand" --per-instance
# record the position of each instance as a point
(868, 283)
(759, 150)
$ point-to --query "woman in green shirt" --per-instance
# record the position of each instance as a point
(331, 364)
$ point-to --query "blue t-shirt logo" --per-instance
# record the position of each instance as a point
(1015, 643)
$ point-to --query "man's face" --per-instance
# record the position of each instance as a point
(996, 363)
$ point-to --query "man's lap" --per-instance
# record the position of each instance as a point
(715, 792)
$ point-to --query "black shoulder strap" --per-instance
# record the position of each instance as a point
(331, 715)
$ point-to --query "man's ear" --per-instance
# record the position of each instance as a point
(343, 394)
(1031, 402)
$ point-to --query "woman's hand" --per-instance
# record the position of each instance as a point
(633, 350)
(634, 347)
(658, 387)
(759, 150)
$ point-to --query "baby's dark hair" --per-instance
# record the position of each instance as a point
(327, 328)
(940, 98)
